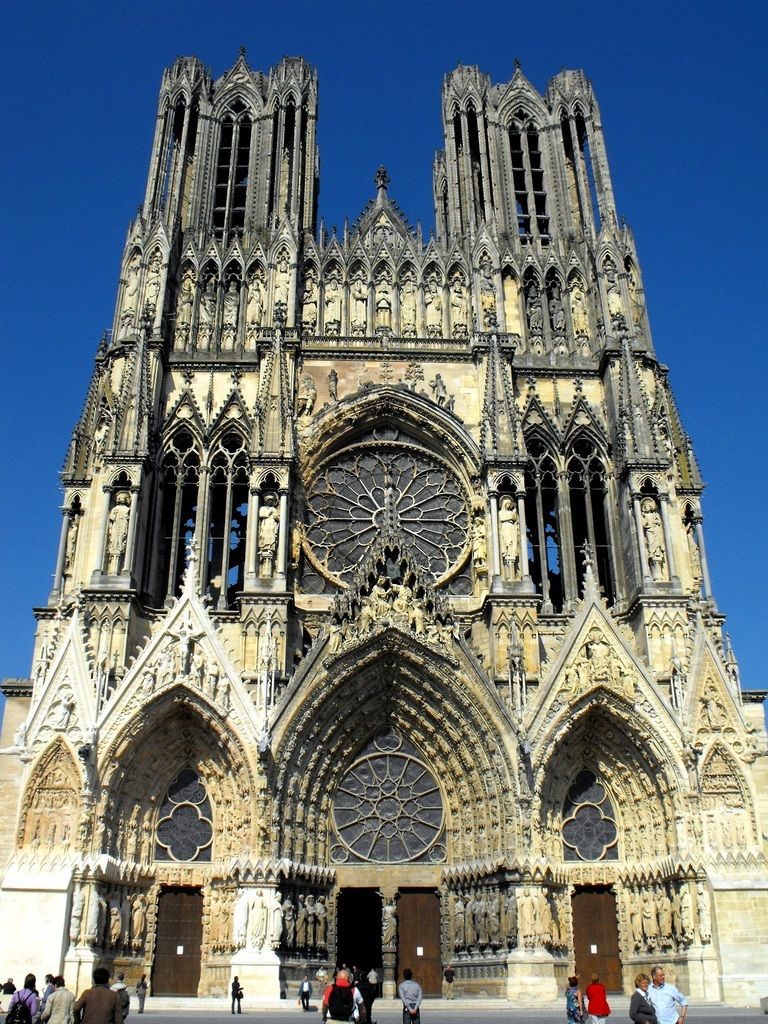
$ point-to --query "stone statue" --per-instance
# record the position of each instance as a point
(275, 911)
(130, 294)
(479, 547)
(115, 922)
(321, 923)
(138, 921)
(117, 532)
(76, 915)
(704, 914)
(332, 323)
(240, 922)
(301, 922)
(67, 706)
(694, 556)
(686, 913)
(526, 910)
(206, 315)
(579, 316)
(459, 923)
(305, 401)
(388, 925)
(487, 297)
(254, 310)
(510, 918)
(636, 919)
(258, 914)
(383, 303)
(154, 272)
(282, 286)
(231, 310)
(433, 300)
(493, 919)
(289, 923)
(459, 308)
(654, 539)
(439, 389)
(73, 529)
(408, 308)
(665, 917)
(333, 385)
(309, 306)
(509, 538)
(359, 296)
(613, 290)
(650, 920)
(269, 525)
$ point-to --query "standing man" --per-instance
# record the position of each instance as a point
(305, 992)
(670, 1004)
(122, 994)
(448, 975)
(99, 1005)
(410, 996)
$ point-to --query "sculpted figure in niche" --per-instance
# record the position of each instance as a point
(693, 555)
(665, 917)
(509, 538)
(321, 923)
(333, 306)
(408, 308)
(152, 290)
(636, 919)
(359, 305)
(613, 290)
(207, 315)
(130, 295)
(654, 539)
(305, 401)
(269, 525)
(494, 923)
(275, 918)
(231, 310)
(510, 918)
(301, 921)
(388, 924)
(117, 532)
(579, 309)
(333, 385)
(459, 308)
(686, 913)
(309, 306)
(487, 296)
(73, 529)
(115, 922)
(635, 299)
(478, 538)
(459, 926)
(704, 914)
(534, 314)
(138, 921)
(282, 286)
(556, 312)
(650, 920)
(383, 303)
(254, 311)
(433, 300)
(289, 923)
(76, 916)
(375, 607)
(185, 304)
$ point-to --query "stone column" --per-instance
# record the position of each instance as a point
(495, 552)
(282, 537)
(699, 525)
(130, 541)
(103, 527)
(252, 540)
(389, 896)
(665, 525)
(525, 572)
(61, 554)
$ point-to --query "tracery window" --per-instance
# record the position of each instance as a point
(397, 486)
(231, 184)
(588, 497)
(528, 179)
(185, 820)
(542, 520)
(589, 823)
(388, 807)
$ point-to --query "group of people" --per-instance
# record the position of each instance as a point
(350, 998)
(100, 1004)
(654, 1001)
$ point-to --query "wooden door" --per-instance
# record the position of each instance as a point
(176, 968)
(596, 937)
(418, 939)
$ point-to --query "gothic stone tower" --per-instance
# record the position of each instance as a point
(382, 589)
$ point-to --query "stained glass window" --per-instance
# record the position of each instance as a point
(589, 826)
(184, 827)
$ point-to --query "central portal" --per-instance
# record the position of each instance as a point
(358, 940)
(418, 938)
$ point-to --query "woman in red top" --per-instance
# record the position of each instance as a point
(598, 1004)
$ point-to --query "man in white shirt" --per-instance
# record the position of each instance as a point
(670, 1004)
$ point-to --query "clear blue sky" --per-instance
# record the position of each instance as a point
(682, 88)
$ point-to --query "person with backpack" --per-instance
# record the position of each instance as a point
(59, 1007)
(122, 994)
(99, 1005)
(23, 1005)
(342, 1001)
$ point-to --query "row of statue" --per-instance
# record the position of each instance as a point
(114, 921)
(661, 917)
(488, 919)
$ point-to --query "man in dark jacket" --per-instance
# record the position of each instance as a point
(99, 1005)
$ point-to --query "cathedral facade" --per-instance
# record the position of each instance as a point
(381, 628)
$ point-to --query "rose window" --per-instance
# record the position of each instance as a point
(184, 827)
(589, 826)
(360, 493)
(388, 808)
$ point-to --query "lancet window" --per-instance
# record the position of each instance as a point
(528, 179)
(582, 186)
(227, 518)
(231, 185)
(176, 155)
(542, 522)
(589, 517)
(180, 482)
